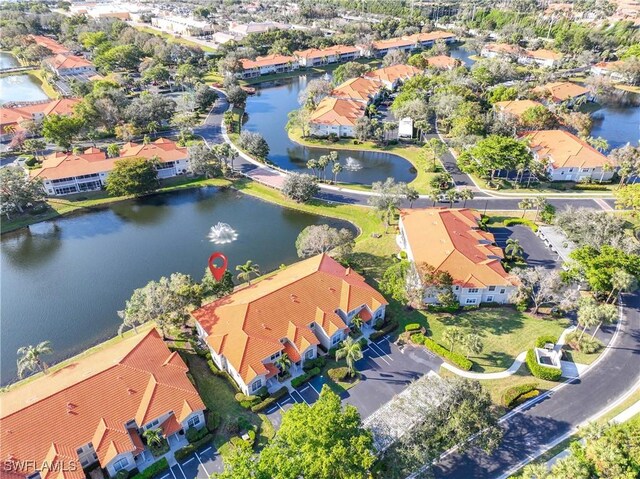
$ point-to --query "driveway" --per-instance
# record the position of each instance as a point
(385, 370)
(535, 251)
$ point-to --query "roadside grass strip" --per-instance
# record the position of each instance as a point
(397, 417)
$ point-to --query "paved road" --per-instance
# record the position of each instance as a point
(538, 425)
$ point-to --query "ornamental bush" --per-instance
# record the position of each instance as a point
(412, 327)
(521, 221)
(455, 358)
(153, 470)
(338, 374)
(547, 338)
(303, 378)
(270, 400)
(194, 434)
(246, 401)
(318, 362)
(540, 371)
(391, 325)
(512, 394)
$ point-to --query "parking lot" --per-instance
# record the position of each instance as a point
(385, 370)
(535, 251)
(200, 465)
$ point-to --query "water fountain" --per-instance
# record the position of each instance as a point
(222, 233)
(352, 164)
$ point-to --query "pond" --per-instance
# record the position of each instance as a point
(65, 280)
(7, 60)
(20, 88)
(462, 54)
(268, 110)
(619, 122)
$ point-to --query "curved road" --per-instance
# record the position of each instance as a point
(211, 131)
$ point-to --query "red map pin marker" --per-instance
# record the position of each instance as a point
(217, 271)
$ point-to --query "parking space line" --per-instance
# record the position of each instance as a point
(187, 462)
(180, 467)
(165, 476)
(172, 473)
(372, 357)
(305, 388)
(205, 450)
(386, 355)
(311, 385)
(301, 397)
(204, 468)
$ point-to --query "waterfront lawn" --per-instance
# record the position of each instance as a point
(411, 153)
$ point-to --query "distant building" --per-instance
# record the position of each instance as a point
(315, 57)
(53, 45)
(68, 173)
(443, 62)
(337, 116)
(515, 107)
(450, 239)
(13, 117)
(407, 43)
(542, 57)
(358, 89)
(244, 29)
(568, 157)
(268, 64)
(182, 26)
(500, 50)
(65, 65)
(564, 92)
(392, 77)
(95, 410)
(297, 310)
(610, 70)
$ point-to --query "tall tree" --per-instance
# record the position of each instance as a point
(386, 199)
(29, 358)
(17, 190)
(351, 351)
(61, 130)
(132, 176)
(316, 239)
(245, 271)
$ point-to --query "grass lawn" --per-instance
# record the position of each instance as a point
(173, 39)
(60, 206)
(411, 153)
(44, 84)
(578, 357)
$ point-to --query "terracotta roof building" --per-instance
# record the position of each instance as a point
(13, 117)
(358, 89)
(443, 62)
(67, 173)
(543, 57)
(563, 92)
(63, 65)
(268, 64)
(55, 47)
(450, 239)
(391, 77)
(337, 53)
(309, 304)
(568, 157)
(335, 115)
(516, 107)
(409, 43)
(611, 70)
(95, 408)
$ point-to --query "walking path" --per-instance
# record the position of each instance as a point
(569, 368)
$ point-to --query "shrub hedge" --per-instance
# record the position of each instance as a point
(526, 396)
(590, 187)
(338, 374)
(437, 308)
(213, 420)
(154, 469)
(392, 325)
(318, 362)
(194, 434)
(511, 395)
(539, 371)
(194, 446)
(547, 338)
(247, 401)
(270, 400)
(456, 358)
(521, 221)
(303, 378)
(412, 327)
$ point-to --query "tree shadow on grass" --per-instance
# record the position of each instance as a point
(495, 360)
(496, 321)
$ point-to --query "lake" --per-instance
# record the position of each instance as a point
(21, 87)
(65, 280)
(462, 54)
(7, 60)
(268, 110)
(618, 124)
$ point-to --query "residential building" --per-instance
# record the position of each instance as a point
(337, 116)
(428, 39)
(564, 92)
(450, 239)
(610, 70)
(362, 89)
(268, 64)
(55, 47)
(68, 173)
(315, 57)
(221, 38)
(64, 65)
(178, 25)
(392, 77)
(569, 158)
(244, 29)
(542, 57)
(500, 50)
(407, 43)
(443, 62)
(515, 107)
(96, 408)
(307, 306)
(14, 116)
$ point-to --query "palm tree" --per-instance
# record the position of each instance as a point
(605, 168)
(452, 195)
(622, 281)
(336, 169)
(434, 196)
(246, 270)
(153, 127)
(513, 249)
(153, 437)
(412, 195)
(535, 471)
(312, 165)
(607, 313)
(357, 322)
(598, 143)
(351, 351)
(283, 363)
(29, 357)
(525, 204)
(466, 194)
(539, 203)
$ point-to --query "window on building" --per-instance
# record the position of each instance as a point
(256, 385)
(120, 464)
(471, 300)
(309, 354)
(473, 290)
(79, 450)
(489, 298)
(502, 291)
(194, 421)
(492, 288)
(335, 340)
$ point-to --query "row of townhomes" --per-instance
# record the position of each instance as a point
(15, 116)
(338, 113)
(297, 311)
(312, 57)
(63, 62)
(567, 157)
(94, 411)
(451, 240)
(542, 57)
(66, 173)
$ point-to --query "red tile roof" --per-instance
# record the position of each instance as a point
(17, 114)
(248, 326)
(55, 47)
(451, 240)
(91, 399)
(565, 150)
(393, 73)
(335, 50)
(267, 60)
(336, 111)
(63, 62)
(359, 88)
